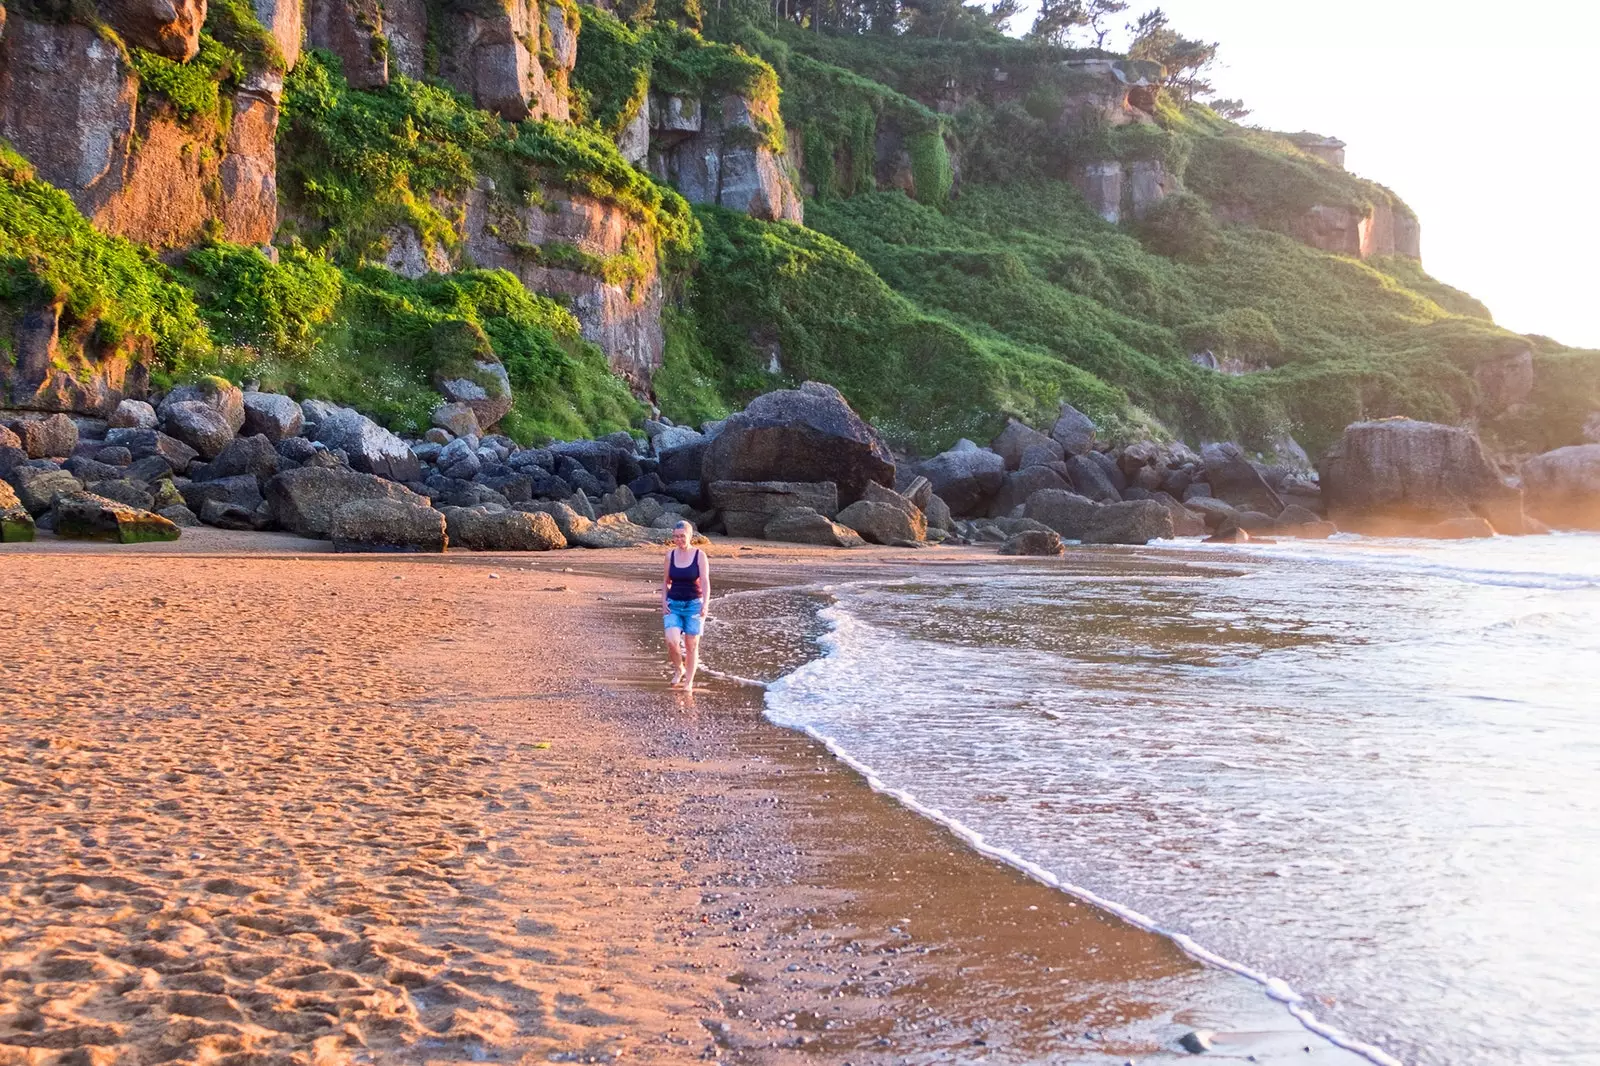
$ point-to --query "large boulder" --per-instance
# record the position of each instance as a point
(1021, 484)
(253, 455)
(884, 522)
(144, 443)
(133, 414)
(170, 28)
(1073, 430)
(683, 462)
(1232, 478)
(200, 425)
(1399, 476)
(47, 438)
(371, 448)
(124, 491)
(1018, 440)
(804, 434)
(272, 416)
(501, 531)
(747, 506)
(1185, 523)
(457, 420)
(304, 500)
(1065, 512)
(1212, 511)
(1091, 478)
(800, 525)
(1129, 522)
(85, 515)
(476, 378)
(387, 525)
(37, 489)
(216, 392)
(242, 491)
(966, 477)
(1562, 488)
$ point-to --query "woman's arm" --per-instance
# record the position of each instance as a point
(705, 584)
(666, 579)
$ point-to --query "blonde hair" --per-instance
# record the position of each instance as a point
(684, 524)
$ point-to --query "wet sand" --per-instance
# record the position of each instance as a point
(265, 804)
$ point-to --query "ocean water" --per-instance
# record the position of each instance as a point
(1366, 772)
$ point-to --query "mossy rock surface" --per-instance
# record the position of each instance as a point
(85, 516)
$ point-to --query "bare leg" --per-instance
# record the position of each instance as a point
(693, 645)
(675, 654)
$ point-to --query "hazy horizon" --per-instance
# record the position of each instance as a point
(1474, 134)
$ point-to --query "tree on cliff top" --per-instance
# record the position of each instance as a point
(1186, 60)
(1057, 19)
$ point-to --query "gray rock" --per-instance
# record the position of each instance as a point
(1196, 488)
(533, 458)
(1021, 484)
(682, 462)
(10, 459)
(150, 469)
(513, 530)
(1212, 511)
(487, 389)
(132, 493)
(83, 515)
(198, 424)
(747, 506)
(1119, 481)
(1255, 521)
(241, 490)
(1074, 431)
(272, 416)
(919, 491)
(90, 471)
(1091, 479)
(1185, 523)
(1067, 513)
(966, 478)
(52, 437)
(800, 525)
(615, 502)
(133, 414)
(427, 452)
(457, 419)
(38, 489)
(689, 492)
(227, 400)
(304, 500)
(16, 524)
(1015, 441)
(1402, 476)
(1197, 1042)
(804, 434)
(938, 514)
(252, 455)
(877, 493)
(296, 449)
(391, 524)
(1562, 487)
(882, 523)
(115, 455)
(314, 412)
(1132, 522)
(671, 438)
(180, 516)
(372, 449)
(1233, 478)
(225, 515)
(1033, 542)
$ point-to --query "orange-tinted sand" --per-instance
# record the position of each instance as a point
(265, 804)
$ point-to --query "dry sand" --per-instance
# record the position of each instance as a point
(264, 804)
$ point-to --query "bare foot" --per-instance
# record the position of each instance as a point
(677, 680)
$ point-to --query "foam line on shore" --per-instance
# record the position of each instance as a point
(1276, 987)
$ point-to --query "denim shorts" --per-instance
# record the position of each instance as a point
(687, 615)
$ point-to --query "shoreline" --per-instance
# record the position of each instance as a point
(762, 892)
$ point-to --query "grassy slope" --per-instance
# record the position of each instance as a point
(1015, 295)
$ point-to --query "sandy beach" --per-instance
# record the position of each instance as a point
(267, 804)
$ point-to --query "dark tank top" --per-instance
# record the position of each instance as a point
(684, 581)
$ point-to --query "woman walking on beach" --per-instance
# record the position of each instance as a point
(685, 596)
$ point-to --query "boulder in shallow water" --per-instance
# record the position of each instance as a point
(1065, 512)
(87, 516)
(1562, 487)
(1233, 478)
(1129, 522)
(1033, 542)
(387, 525)
(882, 523)
(1401, 477)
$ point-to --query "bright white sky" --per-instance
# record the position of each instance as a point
(1480, 116)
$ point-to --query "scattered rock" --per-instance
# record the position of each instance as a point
(801, 525)
(456, 419)
(1130, 522)
(1091, 479)
(938, 514)
(37, 489)
(747, 506)
(142, 443)
(42, 438)
(198, 424)
(225, 515)
(485, 531)
(1074, 431)
(115, 455)
(1197, 1042)
(966, 477)
(1033, 542)
(386, 524)
(9, 439)
(304, 500)
(804, 434)
(271, 416)
(371, 448)
(87, 516)
(1235, 480)
(883, 523)
(133, 414)
(1017, 440)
